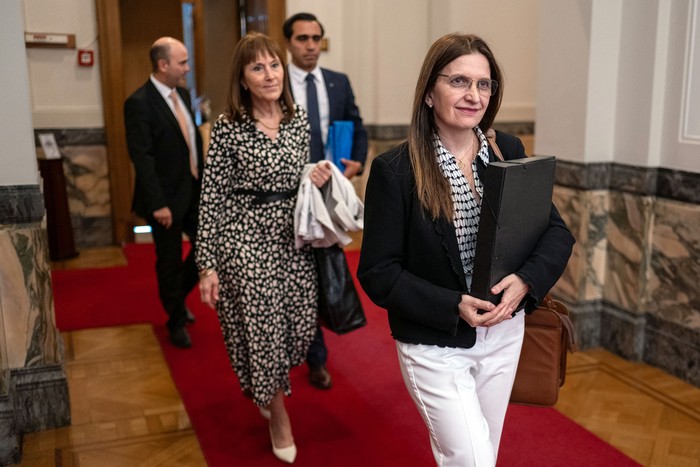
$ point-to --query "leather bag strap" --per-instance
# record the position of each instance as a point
(491, 138)
(566, 322)
(571, 336)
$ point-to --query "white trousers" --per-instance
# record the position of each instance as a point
(462, 394)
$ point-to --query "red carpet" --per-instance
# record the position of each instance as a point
(367, 419)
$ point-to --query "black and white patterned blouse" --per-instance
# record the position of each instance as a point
(466, 207)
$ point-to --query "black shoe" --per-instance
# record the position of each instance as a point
(180, 338)
(320, 378)
(190, 316)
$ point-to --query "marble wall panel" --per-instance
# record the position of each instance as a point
(627, 231)
(42, 398)
(673, 347)
(87, 188)
(4, 359)
(86, 170)
(596, 245)
(585, 212)
(87, 180)
(21, 204)
(10, 438)
(30, 334)
(586, 319)
(568, 202)
(4, 363)
(678, 185)
(673, 291)
(622, 331)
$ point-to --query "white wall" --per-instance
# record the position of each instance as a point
(382, 50)
(678, 150)
(562, 78)
(613, 89)
(379, 50)
(559, 58)
(17, 154)
(395, 56)
(510, 29)
(64, 95)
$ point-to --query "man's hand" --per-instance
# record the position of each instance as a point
(164, 217)
(352, 167)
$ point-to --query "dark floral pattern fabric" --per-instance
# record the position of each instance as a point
(268, 288)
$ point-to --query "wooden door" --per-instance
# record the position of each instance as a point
(126, 29)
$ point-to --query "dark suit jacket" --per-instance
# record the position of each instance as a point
(341, 101)
(342, 107)
(160, 155)
(410, 264)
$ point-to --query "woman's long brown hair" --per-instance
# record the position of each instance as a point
(432, 188)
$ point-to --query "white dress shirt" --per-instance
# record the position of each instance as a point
(297, 78)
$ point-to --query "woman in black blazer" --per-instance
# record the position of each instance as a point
(422, 209)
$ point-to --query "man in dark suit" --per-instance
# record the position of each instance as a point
(327, 97)
(166, 150)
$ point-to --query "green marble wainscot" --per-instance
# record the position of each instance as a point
(87, 187)
(581, 285)
(10, 440)
(628, 228)
(34, 346)
(673, 291)
(672, 297)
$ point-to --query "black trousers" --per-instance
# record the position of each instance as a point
(176, 277)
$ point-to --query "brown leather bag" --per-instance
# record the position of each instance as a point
(549, 335)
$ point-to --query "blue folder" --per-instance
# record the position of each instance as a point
(339, 142)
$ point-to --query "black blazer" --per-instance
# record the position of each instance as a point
(410, 265)
(160, 155)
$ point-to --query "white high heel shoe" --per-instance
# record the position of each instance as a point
(287, 454)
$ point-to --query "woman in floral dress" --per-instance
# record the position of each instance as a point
(264, 290)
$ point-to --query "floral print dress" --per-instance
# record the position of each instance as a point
(268, 289)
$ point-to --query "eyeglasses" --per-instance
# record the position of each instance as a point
(486, 87)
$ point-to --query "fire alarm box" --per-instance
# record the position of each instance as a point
(86, 57)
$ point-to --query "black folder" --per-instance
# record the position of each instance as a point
(515, 212)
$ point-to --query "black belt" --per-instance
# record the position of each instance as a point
(264, 197)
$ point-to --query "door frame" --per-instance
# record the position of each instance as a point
(121, 176)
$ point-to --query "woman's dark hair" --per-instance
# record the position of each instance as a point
(432, 188)
(239, 100)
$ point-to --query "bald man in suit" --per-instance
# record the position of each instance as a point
(166, 150)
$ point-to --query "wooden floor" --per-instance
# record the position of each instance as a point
(126, 410)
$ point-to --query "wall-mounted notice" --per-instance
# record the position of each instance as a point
(49, 145)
